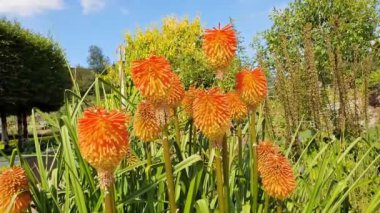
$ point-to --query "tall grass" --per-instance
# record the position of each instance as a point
(330, 171)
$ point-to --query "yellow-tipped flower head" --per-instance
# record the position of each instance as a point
(211, 113)
(264, 150)
(146, 124)
(220, 46)
(252, 86)
(188, 100)
(152, 77)
(175, 93)
(277, 176)
(103, 139)
(14, 182)
(238, 108)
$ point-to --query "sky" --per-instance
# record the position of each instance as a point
(77, 24)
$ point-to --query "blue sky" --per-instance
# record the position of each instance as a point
(77, 24)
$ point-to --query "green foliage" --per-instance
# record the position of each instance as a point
(331, 173)
(356, 21)
(317, 51)
(374, 78)
(33, 70)
(349, 25)
(336, 174)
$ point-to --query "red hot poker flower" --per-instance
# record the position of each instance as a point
(211, 113)
(152, 77)
(13, 181)
(103, 140)
(252, 86)
(220, 46)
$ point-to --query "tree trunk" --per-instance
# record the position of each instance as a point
(25, 125)
(4, 129)
(20, 131)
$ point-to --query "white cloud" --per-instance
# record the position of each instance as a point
(92, 5)
(28, 7)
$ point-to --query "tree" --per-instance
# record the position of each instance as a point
(96, 60)
(317, 50)
(33, 73)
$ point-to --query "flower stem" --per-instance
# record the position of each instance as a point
(109, 200)
(219, 181)
(240, 146)
(177, 128)
(106, 183)
(169, 173)
(266, 204)
(240, 159)
(190, 136)
(254, 176)
(279, 206)
(226, 161)
(148, 154)
(147, 147)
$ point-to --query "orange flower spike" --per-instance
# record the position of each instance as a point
(103, 138)
(146, 125)
(188, 100)
(237, 107)
(264, 150)
(13, 181)
(220, 46)
(277, 177)
(176, 92)
(252, 86)
(211, 113)
(152, 77)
